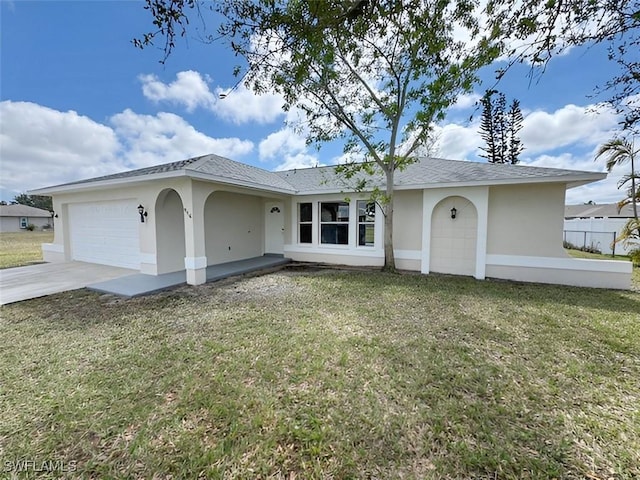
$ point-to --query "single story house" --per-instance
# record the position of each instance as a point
(210, 210)
(16, 218)
(596, 227)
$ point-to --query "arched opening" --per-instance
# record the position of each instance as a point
(169, 213)
(454, 240)
(233, 227)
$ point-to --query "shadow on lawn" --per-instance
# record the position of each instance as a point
(425, 388)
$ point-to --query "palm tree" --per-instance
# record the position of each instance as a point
(620, 151)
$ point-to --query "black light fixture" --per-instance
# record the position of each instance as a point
(142, 213)
(454, 212)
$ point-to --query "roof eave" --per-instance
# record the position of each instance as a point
(105, 184)
(127, 181)
(570, 180)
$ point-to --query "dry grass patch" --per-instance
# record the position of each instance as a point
(327, 375)
(22, 248)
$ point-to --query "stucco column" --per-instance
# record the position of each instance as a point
(195, 261)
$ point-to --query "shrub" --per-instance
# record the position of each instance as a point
(634, 255)
(585, 248)
(31, 227)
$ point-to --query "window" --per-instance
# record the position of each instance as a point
(334, 223)
(366, 223)
(305, 217)
(24, 223)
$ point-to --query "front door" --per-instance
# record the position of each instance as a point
(274, 228)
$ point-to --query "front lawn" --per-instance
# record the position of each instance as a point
(22, 248)
(325, 374)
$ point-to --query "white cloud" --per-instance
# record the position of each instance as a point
(571, 124)
(166, 137)
(42, 146)
(285, 140)
(289, 147)
(242, 106)
(189, 89)
(299, 160)
(466, 100)
(457, 142)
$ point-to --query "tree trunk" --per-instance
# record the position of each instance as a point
(633, 190)
(389, 258)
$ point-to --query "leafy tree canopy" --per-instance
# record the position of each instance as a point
(37, 201)
(540, 29)
(375, 74)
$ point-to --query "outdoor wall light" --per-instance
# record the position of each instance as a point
(454, 212)
(142, 213)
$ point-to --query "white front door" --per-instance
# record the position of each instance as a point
(274, 228)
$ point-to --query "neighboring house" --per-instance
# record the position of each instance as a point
(16, 218)
(596, 227)
(210, 210)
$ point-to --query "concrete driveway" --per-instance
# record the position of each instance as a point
(23, 283)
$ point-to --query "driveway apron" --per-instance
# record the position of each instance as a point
(23, 283)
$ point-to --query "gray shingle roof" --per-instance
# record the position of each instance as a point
(431, 171)
(426, 172)
(606, 210)
(228, 169)
(219, 167)
(22, 211)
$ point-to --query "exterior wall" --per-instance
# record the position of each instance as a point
(12, 224)
(514, 225)
(233, 227)
(407, 221)
(524, 241)
(561, 271)
(145, 194)
(600, 233)
(526, 220)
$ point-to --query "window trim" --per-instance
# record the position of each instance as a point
(371, 222)
(337, 222)
(309, 223)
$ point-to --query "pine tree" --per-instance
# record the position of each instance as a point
(499, 129)
(515, 125)
(502, 128)
(488, 127)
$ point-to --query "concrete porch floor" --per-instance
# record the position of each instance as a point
(141, 284)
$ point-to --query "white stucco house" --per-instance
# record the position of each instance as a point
(209, 210)
(17, 218)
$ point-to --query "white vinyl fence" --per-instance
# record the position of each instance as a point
(596, 233)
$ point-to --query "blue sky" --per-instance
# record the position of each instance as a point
(78, 100)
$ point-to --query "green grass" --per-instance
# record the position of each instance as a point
(22, 248)
(635, 275)
(326, 375)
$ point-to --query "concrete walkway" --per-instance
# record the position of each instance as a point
(141, 284)
(23, 283)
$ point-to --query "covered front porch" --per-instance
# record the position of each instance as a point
(142, 284)
(198, 228)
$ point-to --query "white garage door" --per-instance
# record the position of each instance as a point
(106, 233)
